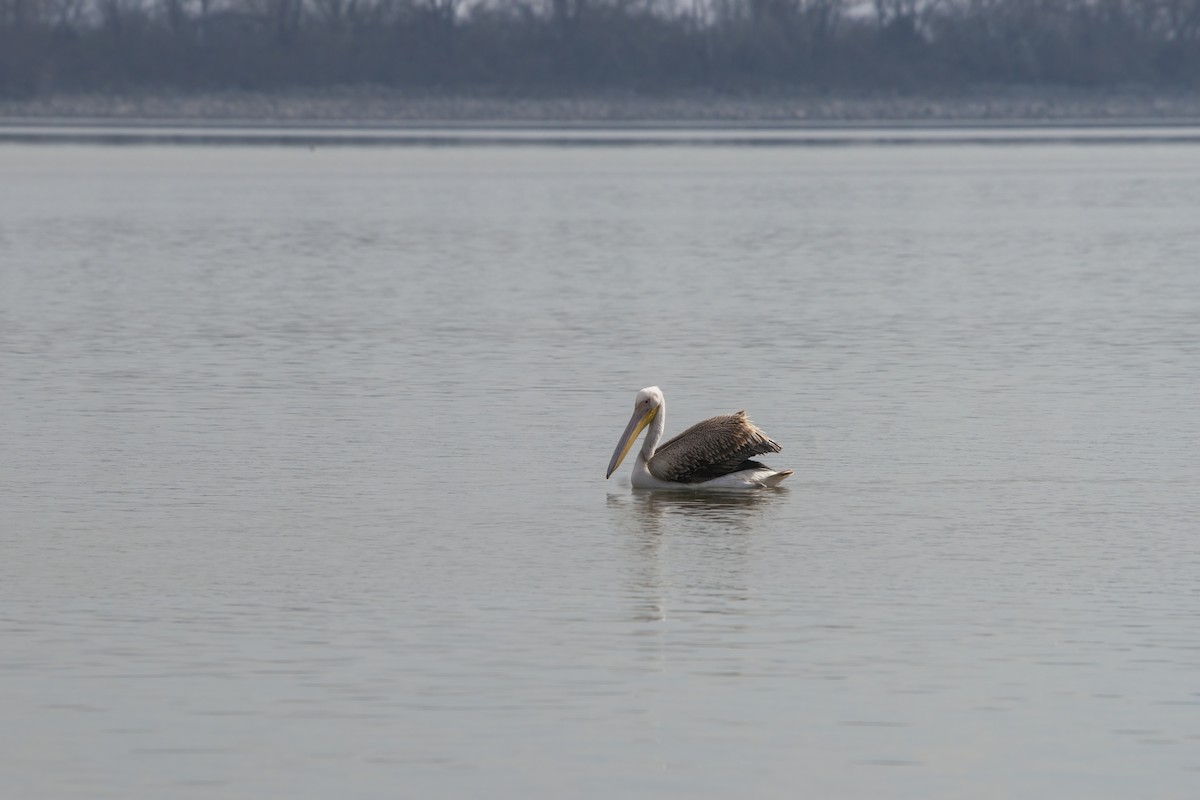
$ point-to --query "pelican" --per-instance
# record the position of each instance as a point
(714, 454)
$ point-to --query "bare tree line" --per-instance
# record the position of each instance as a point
(555, 45)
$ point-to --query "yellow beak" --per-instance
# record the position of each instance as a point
(630, 435)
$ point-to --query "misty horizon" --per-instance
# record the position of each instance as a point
(514, 47)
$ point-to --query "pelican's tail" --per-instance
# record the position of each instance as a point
(777, 478)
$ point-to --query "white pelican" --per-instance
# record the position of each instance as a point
(714, 454)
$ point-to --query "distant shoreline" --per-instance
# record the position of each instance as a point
(378, 107)
(312, 135)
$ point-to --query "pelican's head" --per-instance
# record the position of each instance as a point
(650, 397)
(645, 407)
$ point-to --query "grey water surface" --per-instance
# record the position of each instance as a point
(302, 485)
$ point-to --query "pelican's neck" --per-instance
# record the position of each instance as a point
(654, 432)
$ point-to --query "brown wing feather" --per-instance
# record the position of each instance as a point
(709, 449)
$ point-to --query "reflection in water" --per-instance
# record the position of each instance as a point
(649, 507)
(690, 550)
(735, 508)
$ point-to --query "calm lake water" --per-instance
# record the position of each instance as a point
(302, 490)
